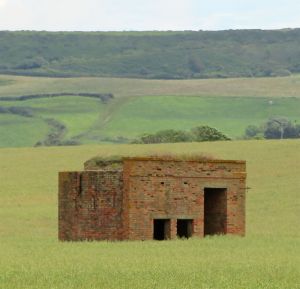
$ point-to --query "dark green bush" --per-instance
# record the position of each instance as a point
(198, 134)
(206, 133)
(165, 136)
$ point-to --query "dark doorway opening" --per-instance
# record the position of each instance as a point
(161, 229)
(184, 228)
(215, 211)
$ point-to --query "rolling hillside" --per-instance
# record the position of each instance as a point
(160, 55)
(137, 107)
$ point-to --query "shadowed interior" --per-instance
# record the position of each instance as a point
(161, 229)
(215, 211)
(184, 228)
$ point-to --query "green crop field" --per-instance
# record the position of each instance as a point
(140, 106)
(231, 115)
(268, 257)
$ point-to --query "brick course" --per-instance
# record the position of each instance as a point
(123, 203)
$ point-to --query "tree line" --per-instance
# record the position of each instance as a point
(159, 55)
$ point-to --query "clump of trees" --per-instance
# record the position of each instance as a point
(196, 134)
(274, 128)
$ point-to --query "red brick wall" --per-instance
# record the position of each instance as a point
(117, 205)
(90, 205)
(175, 190)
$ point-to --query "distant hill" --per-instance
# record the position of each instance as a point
(161, 55)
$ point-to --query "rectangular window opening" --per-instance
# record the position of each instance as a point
(215, 211)
(184, 228)
(161, 229)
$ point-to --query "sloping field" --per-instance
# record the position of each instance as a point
(138, 106)
(230, 115)
(89, 120)
(259, 87)
(268, 257)
(76, 113)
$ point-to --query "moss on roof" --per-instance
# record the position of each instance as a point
(114, 162)
(106, 163)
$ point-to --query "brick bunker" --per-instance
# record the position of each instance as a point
(144, 198)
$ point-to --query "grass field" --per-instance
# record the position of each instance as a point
(267, 258)
(126, 87)
(143, 106)
(230, 115)
(76, 113)
(19, 131)
(91, 121)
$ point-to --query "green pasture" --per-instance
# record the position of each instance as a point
(88, 120)
(142, 106)
(18, 131)
(267, 258)
(231, 115)
(77, 113)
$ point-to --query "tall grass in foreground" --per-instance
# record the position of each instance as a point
(268, 257)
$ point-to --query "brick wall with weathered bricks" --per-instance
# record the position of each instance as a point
(117, 205)
(174, 189)
(90, 205)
